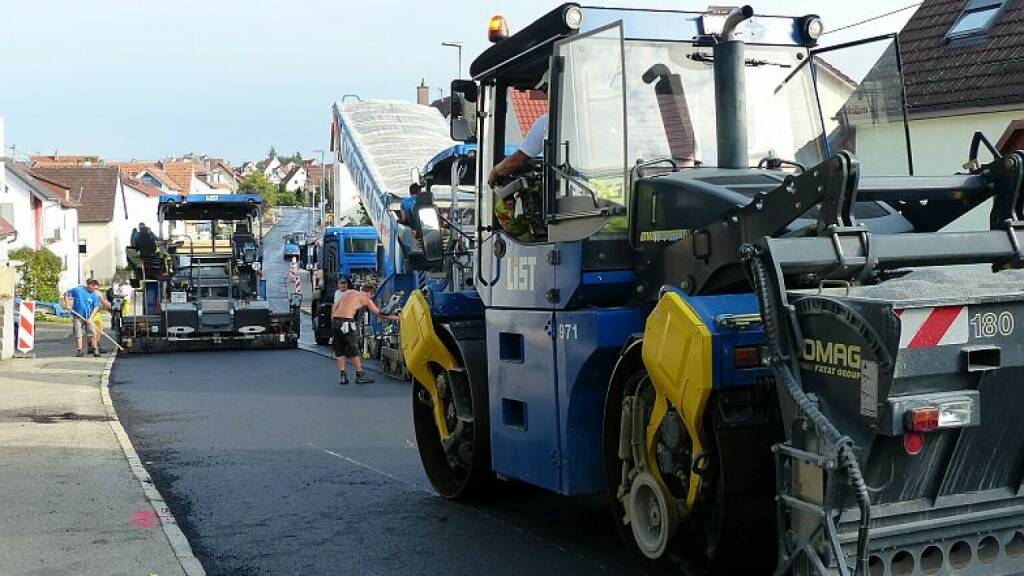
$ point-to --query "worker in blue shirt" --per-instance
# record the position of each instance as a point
(85, 302)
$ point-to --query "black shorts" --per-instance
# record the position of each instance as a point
(344, 337)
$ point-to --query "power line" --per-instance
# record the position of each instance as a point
(873, 18)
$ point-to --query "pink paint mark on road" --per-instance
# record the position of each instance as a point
(144, 519)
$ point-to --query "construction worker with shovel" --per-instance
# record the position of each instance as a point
(85, 303)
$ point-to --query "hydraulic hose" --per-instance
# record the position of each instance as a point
(783, 374)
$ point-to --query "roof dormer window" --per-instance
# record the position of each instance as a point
(977, 17)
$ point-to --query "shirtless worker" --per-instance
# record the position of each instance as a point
(345, 331)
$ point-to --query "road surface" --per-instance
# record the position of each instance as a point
(272, 468)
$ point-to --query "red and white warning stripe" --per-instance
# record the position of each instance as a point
(26, 326)
(929, 327)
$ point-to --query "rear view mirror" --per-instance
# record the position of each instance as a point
(430, 233)
(463, 115)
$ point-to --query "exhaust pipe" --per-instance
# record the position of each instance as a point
(730, 93)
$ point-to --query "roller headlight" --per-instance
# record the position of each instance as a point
(812, 28)
(573, 17)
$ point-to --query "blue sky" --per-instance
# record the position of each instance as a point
(145, 79)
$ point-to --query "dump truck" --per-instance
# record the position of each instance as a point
(339, 252)
(729, 303)
(395, 154)
(201, 294)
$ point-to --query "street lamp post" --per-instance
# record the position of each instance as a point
(457, 45)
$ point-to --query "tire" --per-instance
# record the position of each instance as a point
(318, 335)
(468, 478)
(733, 530)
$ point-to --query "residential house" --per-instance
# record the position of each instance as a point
(65, 160)
(108, 212)
(271, 170)
(222, 176)
(44, 215)
(60, 226)
(295, 180)
(248, 169)
(314, 176)
(185, 174)
(141, 198)
(158, 179)
(962, 65)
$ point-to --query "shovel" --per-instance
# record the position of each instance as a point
(102, 333)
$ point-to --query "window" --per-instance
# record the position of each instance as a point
(977, 17)
(357, 245)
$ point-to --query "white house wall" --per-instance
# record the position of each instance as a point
(100, 260)
(940, 147)
(60, 236)
(17, 195)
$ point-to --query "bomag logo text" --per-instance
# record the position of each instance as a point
(830, 358)
(663, 235)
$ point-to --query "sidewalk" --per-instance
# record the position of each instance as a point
(72, 504)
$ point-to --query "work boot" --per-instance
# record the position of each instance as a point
(344, 379)
(362, 378)
(96, 352)
(80, 353)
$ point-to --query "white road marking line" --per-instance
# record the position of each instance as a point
(479, 511)
(366, 466)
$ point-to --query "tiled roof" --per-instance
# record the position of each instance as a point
(181, 173)
(982, 72)
(141, 186)
(62, 160)
(529, 105)
(163, 178)
(97, 184)
(6, 228)
(59, 190)
(133, 169)
(291, 174)
(314, 173)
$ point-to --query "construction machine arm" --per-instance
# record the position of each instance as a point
(708, 260)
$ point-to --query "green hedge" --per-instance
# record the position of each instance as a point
(39, 274)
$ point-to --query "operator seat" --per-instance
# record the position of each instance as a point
(244, 244)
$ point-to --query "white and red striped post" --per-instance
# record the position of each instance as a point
(293, 272)
(27, 326)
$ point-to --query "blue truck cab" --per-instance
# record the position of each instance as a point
(341, 252)
(293, 243)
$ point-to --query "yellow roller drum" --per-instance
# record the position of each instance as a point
(421, 348)
(677, 355)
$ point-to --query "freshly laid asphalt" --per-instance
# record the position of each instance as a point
(272, 468)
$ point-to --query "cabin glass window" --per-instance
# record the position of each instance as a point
(357, 245)
(591, 125)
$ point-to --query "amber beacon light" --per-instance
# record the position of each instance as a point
(497, 29)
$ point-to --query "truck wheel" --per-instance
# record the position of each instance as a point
(731, 529)
(314, 319)
(459, 465)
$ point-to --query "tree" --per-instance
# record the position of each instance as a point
(272, 152)
(364, 218)
(297, 157)
(257, 183)
(39, 274)
(286, 198)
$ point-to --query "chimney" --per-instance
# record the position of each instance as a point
(423, 93)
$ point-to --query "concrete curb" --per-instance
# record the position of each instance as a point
(179, 544)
